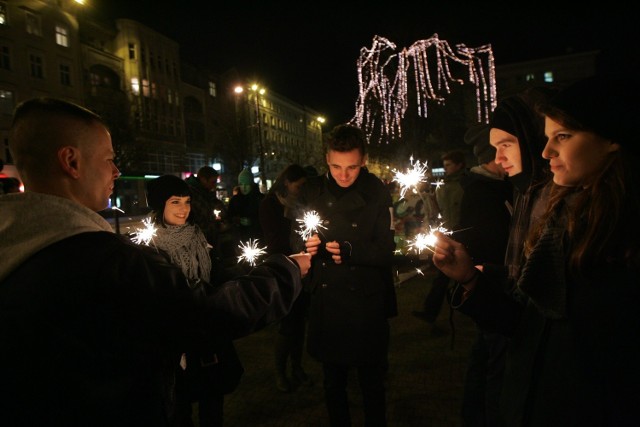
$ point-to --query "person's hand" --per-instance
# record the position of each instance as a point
(312, 245)
(304, 262)
(452, 258)
(334, 249)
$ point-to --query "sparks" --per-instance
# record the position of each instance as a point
(439, 183)
(412, 178)
(250, 252)
(216, 213)
(424, 241)
(310, 224)
(144, 236)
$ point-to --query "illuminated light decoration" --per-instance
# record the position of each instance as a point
(144, 235)
(250, 252)
(310, 224)
(384, 85)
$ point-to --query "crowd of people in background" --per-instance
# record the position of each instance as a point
(543, 254)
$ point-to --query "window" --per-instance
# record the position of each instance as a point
(548, 76)
(65, 75)
(132, 51)
(135, 85)
(530, 77)
(36, 66)
(212, 89)
(5, 58)
(145, 87)
(62, 36)
(33, 24)
(6, 102)
(3, 13)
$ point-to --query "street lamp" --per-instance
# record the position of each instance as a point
(257, 91)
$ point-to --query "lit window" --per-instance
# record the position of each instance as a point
(530, 77)
(135, 85)
(132, 51)
(212, 89)
(169, 96)
(145, 87)
(65, 75)
(62, 36)
(548, 77)
(3, 13)
(33, 24)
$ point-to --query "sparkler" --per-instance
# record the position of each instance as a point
(310, 224)
(412, 177)
(144, 236)
(250, 252)
(428, 240)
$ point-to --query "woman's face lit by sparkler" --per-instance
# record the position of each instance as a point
(345, 166)
(574, 156)
(176, 210)
(507, 151)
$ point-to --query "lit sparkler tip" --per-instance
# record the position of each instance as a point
(144, 236)
(309, 224)
(412, 177)
(250, 252)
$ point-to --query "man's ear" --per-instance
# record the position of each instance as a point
(364, 160)
(68, 158)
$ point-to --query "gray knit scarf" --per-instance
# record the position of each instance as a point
(187, 247)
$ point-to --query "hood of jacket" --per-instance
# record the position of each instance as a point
(32, 221)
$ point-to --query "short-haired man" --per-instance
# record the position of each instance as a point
(93, 325)
(352, 283)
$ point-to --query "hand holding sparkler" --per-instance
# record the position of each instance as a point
(304, 262)
(452, 259)
(310, 224)
(312, 244)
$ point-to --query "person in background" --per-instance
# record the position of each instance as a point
(352, 289)
(572, 318)
(244, 207)
(448, 197)
(93, 325)
(204, 374)
(207, 211)
(485, 215)
(289, 343)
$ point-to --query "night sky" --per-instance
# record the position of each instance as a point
(307, 51)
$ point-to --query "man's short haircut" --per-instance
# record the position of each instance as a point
(346, 137)
(54, 106)
(456, 156)
(207, 172)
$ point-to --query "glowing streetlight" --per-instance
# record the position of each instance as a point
(258, 91)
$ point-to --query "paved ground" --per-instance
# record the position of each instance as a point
(425, 374)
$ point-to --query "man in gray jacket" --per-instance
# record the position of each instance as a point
(92, 326)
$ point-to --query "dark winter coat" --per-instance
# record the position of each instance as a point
(351, 301)
(92, 328)
(573, 342)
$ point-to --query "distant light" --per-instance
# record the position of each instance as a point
(82, 2)
(216, 166)
(255, 169)
(321, 119)
(238, 89)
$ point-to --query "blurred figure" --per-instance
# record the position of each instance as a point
(572, 319)
(289, 344)
(207, 211)
(449, 197)
(244, 207)
(353, 293)
(9, 185)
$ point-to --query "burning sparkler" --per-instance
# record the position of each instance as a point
(310, 224)
(144, 236)
(428, 240)
(250, 252)
(412, 177)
